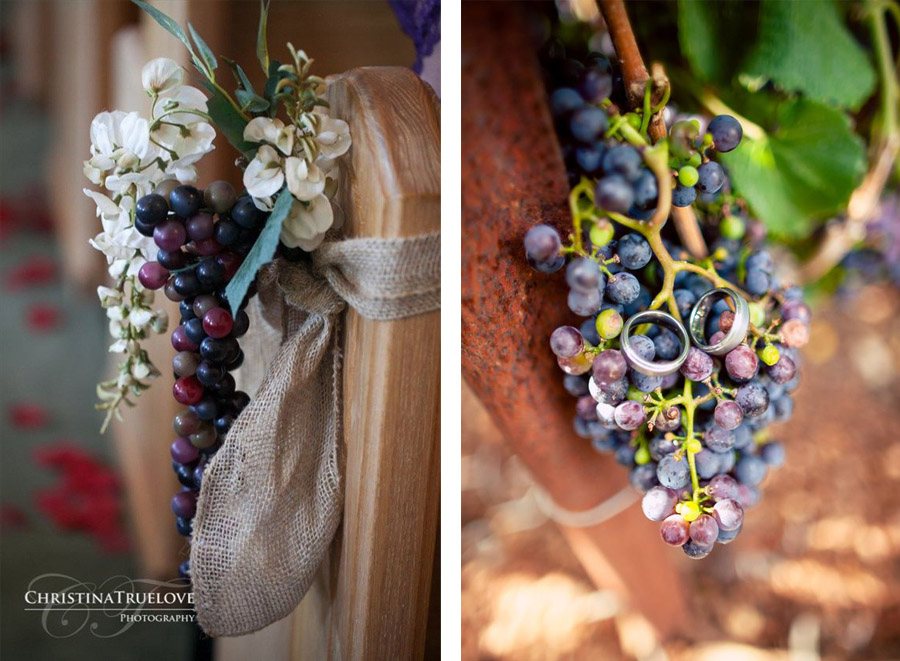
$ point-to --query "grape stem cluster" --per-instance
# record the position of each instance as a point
(583, 208)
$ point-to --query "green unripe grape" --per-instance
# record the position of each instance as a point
(634, 120)
(695, 160)
(634, 394)
(689, 510)
(642, 456)
(733, 227)
(601, 232)
(688, 176)
(609, 324)
(769, 354)
(693, 446)
(757, 315)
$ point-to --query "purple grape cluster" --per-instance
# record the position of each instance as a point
(202, 237)
(583, 101)
(694, 442)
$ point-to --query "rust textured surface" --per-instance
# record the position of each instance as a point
(513, 177)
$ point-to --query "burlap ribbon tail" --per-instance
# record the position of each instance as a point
(271, 497)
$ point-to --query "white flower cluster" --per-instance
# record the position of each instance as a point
(303, 156)
(130, 156)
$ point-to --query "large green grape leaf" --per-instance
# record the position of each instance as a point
(802, 171)
(805, 47)
(715, 36)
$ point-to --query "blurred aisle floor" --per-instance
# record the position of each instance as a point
(55, 369)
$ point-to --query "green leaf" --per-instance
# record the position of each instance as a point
(262, 41)
(260, 254)
(250, 101)
(227, 119)
(802, 172)
(805, 47)
(240, 75)
(715, 36)
(167, 23)
(208, 56)
(170, 26)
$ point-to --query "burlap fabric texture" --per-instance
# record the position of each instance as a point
(271, 498)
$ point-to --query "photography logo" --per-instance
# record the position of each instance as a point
(68, 606)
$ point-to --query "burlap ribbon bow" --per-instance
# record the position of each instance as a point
(271, 498)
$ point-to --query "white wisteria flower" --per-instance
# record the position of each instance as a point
(130, 156)
(119, 140)
(307, 223)
(271, 131)
(264, 175)
(333, 136)
(161, 74)
(305, 182)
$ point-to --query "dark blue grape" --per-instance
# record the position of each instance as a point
(542, 243)
(685, 299)
(667, 344)
(645, 191)
(205, 409)
(583, 275)
(588, 124)
(589, 332)
(584, 304)
(185, 527)
(193, 328)
(623, 160)
(673, 473)
(575, 385)
(565, 101)
(185, 201)
(718, 439)
(643, 382)
(245, 214)
(172, 260)
(210, 273)
(614, 194)
(588, 159)
(643, 478)
(683, 196)
(757, 282)
(753, 399)
(772, 453)
(708, 464)
(596, 85)
(227, 232)
(151, 209)
(634, 251)
(751, 470)
(640, 303)
(143, 228)
(726, 132)
(623, 288)
(625, 455)
(186, 283)
(712, 177)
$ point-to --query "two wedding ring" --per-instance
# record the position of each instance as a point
(696, 332)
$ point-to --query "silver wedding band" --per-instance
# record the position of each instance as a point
(736, 333)
(649, 367)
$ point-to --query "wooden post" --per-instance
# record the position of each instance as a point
(371, 597)
(379, 607)
(513, 178)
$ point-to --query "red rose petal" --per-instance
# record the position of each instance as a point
(43, 317)
(25, 415)
(37, 270)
